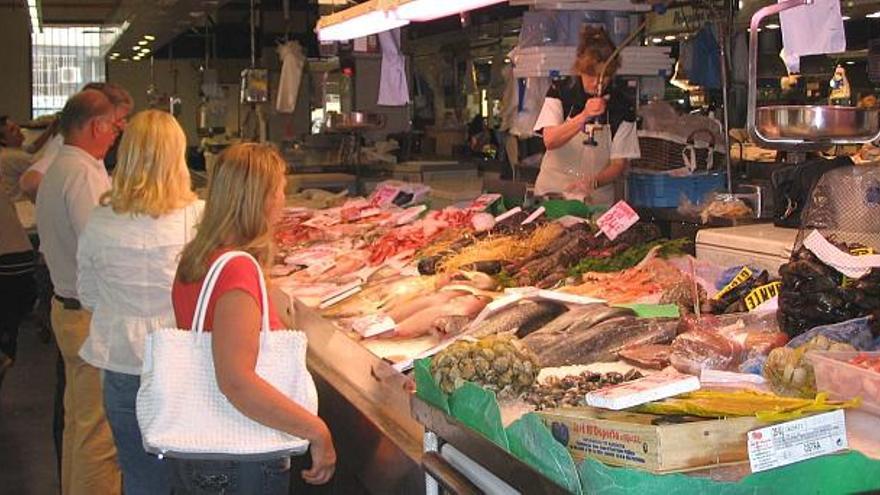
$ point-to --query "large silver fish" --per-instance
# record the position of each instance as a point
(522, 318)
(602, 342)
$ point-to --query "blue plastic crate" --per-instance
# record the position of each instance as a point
(664, 191)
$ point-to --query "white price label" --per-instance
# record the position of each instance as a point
(617, 220)
(507, 214)
(372, 325)
(534, 216)
(794, 441)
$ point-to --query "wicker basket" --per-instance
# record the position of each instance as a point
(663, 151)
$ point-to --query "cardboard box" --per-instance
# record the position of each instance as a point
(659, 444)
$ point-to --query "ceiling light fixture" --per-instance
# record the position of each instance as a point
(145, 50)
(135, 48)
(376, 16)
(35, 14)
(656, 40)
(772, 26)
(142, 42)
(149, 37)
(428, 10)
(874, 15)
(669, 37)
(846, 18)
(361, 20)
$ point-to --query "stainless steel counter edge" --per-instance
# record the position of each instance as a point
(368, 408)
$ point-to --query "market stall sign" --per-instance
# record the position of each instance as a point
(795, 441)
(683, 19)
(617, 220)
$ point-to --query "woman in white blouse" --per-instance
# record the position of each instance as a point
(126, 260)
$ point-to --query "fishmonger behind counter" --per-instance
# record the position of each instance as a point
(575, 165)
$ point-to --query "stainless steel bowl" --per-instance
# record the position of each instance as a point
(351, 121)
(828, 124)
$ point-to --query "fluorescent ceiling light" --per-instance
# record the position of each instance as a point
(35, 15)
(669, 37)
(376, 16)
(850, 62)
(656, 40)
(874, 15)
(846, 18)
(361, 20)
(135, 48)
(427, 10)
(114, 54)
(149, 37)
(145, 50)
(143, 42)
(772, 26)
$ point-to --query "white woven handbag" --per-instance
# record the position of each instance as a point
(180, 409)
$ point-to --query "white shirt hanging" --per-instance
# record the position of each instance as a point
(292, 62)
(811, 30)
(393, 89)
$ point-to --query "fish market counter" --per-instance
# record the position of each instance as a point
(366, 404)
(379, 427)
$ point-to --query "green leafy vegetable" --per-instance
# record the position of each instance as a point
(505, 280)
(630, 257)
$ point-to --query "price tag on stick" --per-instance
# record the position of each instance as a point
(617, 220)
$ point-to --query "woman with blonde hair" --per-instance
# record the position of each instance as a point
(573, 164)
(126, 259)
(245, 198)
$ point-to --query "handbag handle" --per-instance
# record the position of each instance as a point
(207, 291)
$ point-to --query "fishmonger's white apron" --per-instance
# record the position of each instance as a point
(574, 161)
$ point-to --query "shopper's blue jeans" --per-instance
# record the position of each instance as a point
(195, 477)
(142, 473)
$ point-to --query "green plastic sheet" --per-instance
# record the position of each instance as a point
(829, 475)
(532, 443)
(477, 408)
(653, 310)
(558, 208)
(426, 388)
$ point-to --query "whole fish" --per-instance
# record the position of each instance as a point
(523, 319)
(450, 325)
(601, 314)
(428, 319)
(579, 318)
(376, 296)
(408, 308)
(602, 342)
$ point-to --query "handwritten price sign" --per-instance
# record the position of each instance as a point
(617, 220)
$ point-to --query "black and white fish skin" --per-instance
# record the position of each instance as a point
(521, 319)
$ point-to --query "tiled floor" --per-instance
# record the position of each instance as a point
(27, 456)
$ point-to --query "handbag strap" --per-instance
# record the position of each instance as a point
(207, 291)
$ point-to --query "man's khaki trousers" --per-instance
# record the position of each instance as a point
(88, 463)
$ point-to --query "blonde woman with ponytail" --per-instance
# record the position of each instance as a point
(245, 198)
(573, 165)
(126, 259)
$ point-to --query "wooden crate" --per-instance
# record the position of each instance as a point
(654, 443)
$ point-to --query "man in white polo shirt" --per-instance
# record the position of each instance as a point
(67, 195)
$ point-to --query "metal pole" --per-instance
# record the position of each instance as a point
(724, 32)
